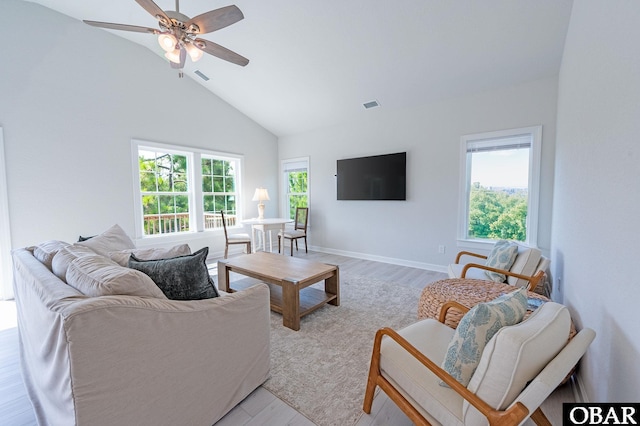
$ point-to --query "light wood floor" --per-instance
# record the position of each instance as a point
(261, 407)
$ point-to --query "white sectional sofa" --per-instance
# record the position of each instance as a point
(136, 360)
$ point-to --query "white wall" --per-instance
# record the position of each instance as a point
(597, 202)
(409, 232)
(73, 97)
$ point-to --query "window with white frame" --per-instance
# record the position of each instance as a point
(182, 189)
(295, 180)
(500, 185)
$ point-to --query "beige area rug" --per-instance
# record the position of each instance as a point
(321, 370)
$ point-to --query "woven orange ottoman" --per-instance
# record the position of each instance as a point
(469, 292)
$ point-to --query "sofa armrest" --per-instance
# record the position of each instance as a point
(189, 359)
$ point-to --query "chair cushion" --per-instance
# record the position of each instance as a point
(515, 355)
(180, 278)
(414, 381)
(525, 263)
(239, 238)
(98, 276)
(476, 328)
(502, 256)
(113, 239)
(455, 271)
(294, 233)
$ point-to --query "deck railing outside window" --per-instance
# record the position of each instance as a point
(179, 222)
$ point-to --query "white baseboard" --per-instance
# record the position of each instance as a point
(391, 260)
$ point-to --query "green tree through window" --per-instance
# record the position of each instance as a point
(497, 214)
(500, 185)
(164, 192)
(297, 191)
(218, 186)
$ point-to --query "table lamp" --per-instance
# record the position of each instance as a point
(261, 195)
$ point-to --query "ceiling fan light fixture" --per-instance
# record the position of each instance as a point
(193, 52)
(167, 42)
(173, 56)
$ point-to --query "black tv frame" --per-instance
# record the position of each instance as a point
(372, 178)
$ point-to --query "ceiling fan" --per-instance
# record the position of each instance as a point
(178, 34)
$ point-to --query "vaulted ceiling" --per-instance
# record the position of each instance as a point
(314, 63)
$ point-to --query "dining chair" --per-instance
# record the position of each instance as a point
(299, 230)
(234, 238)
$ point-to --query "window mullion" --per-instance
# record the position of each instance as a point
(195, 190)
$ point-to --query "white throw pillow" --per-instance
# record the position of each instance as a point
(98, 276)
(46, 251)
(121, 257)
(113, 239)
(502, 256)
(515, 355)
(525, 264)
(65, 256)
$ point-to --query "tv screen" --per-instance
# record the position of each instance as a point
(379, 177)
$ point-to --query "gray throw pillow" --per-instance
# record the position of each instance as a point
(180, 278)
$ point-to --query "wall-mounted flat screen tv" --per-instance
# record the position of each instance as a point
(379, 177)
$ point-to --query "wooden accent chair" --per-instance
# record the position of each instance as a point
(518, 369)
(529, 268)
(299, 230)
(234, 238)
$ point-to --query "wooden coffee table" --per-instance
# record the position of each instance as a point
(289, 279)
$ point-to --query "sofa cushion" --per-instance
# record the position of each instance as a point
(180, 278)
(98, 276)
(477, 327)
(502, 256)
(121, 257)
(113, 239)
(516, 355)
(525, 264)
(46, 251)
(65, 256)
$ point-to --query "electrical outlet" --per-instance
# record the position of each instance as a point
(441, 249)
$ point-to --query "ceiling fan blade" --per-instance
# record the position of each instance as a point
(122, 27)
(154, 10)
(220, 52)
(215, 19)
(183, 59)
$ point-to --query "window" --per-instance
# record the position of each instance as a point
(181, 190)
(296, 184)
(164, 191)
(218, 191)
(499, 185)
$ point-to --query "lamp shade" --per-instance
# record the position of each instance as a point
(261, 194)
(167, 42)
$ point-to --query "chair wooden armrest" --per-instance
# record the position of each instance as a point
(451, 304)
(512, 416)
(468, 253)
(533, 280)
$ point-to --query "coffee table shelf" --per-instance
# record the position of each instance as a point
(289, 280)
(310, 298)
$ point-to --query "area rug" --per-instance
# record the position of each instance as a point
(321, 370)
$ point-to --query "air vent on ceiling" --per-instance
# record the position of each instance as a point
(202, 76)
(371, 104)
